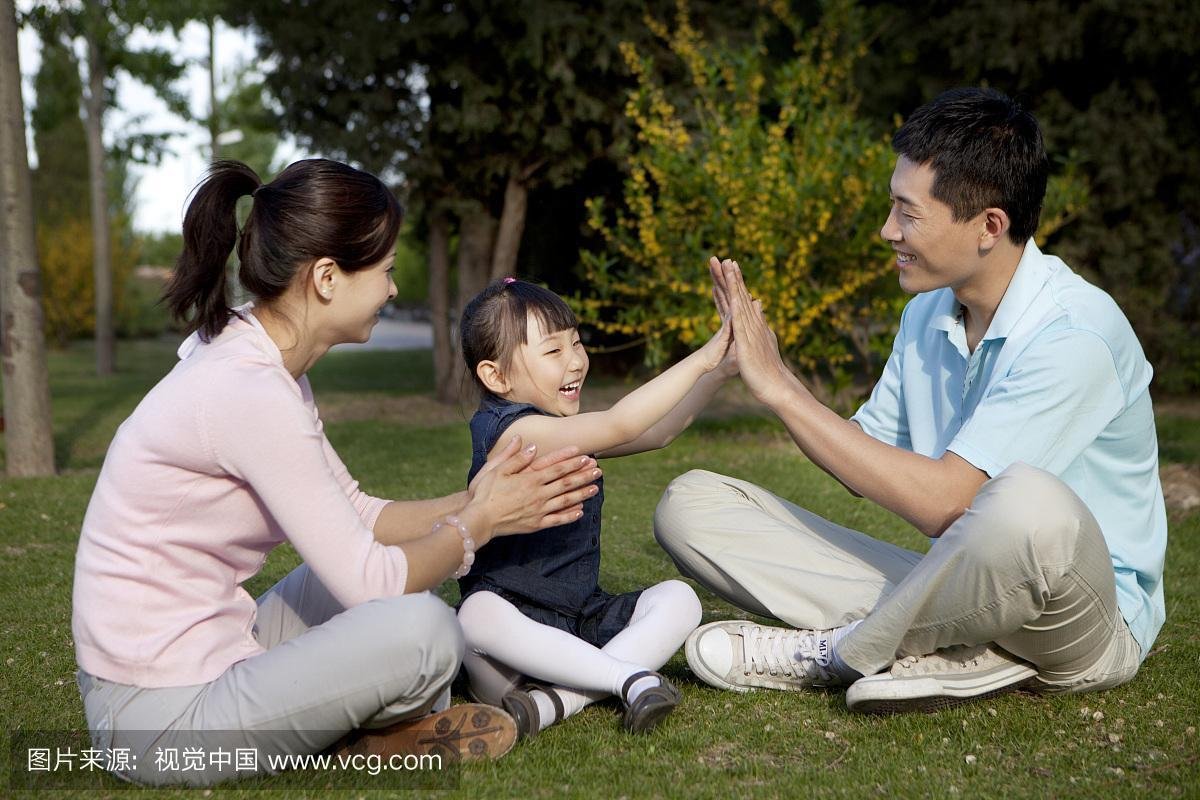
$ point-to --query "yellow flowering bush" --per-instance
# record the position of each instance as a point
(68, 284)
(766, 162)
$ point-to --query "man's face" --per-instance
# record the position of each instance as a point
(932, 250)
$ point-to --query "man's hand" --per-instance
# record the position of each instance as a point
(758, 359)
(519, 493)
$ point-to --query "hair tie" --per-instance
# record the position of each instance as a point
(510, 280)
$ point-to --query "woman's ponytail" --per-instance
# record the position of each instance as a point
(313, 209)
(209, 234)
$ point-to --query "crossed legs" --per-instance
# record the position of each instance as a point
(1025, 567)
(506, 648)
(326, 671)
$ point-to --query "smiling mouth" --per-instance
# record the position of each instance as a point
(571, 389)
(904, 258)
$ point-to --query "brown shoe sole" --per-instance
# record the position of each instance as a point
(466, 732)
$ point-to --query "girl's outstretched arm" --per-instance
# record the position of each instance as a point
(663, 432)
(635, 413)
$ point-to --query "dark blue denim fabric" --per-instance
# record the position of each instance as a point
(553, 575)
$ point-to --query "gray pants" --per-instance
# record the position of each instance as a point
(327, 670)
(1025, 567)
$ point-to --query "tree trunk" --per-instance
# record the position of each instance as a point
(444, 355)
(476, 236)
(97, 175)
(28, 441)
(512, 226)
(214, 122)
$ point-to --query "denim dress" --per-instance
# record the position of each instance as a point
(552, 575)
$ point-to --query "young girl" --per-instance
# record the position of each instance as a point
(533, 607)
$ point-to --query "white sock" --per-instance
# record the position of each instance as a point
(546, 711)
(575, 700)
(641, 685)
(849, 673)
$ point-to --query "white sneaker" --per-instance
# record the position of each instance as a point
(740, 655)
(939, 680)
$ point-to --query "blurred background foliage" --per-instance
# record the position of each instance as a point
(62, 214)
(1116, 86)
(764, 158)
(606, 148)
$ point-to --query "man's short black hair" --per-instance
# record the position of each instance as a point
(986, 152)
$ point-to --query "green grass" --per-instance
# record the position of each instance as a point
(1143, 744)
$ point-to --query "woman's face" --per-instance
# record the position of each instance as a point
(363, 294)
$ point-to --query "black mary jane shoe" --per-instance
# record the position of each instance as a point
(524, 709)
(651, 706)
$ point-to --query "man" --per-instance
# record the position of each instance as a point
(1012, 425)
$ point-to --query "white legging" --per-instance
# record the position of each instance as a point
(505, 647)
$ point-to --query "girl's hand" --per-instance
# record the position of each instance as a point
(715, 349)
(718, 353)
(514, 493)
(728, 365)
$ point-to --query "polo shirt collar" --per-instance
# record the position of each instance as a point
(946, 313)
(1030, 276)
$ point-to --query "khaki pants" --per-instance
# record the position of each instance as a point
(327, 670)
(1025, 567)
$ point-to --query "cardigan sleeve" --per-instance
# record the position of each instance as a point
(368, 507)
(261, 432)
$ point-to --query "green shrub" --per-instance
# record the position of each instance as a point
(68, 282)
(767, 162)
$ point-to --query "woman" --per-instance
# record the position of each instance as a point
(226, 458)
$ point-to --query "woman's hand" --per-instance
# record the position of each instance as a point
(515, 492)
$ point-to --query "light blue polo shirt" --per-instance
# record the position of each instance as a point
(1059, 382)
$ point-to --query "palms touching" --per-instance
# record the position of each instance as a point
(757, 350)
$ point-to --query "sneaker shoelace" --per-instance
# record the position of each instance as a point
(790, 653)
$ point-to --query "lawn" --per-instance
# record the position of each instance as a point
(1135, 741)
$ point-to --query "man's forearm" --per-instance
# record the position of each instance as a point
(929, 493)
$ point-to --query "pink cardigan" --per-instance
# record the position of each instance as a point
(224, 459)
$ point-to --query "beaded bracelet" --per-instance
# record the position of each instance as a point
(467, 542)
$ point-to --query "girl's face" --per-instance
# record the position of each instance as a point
(356, 311)
(548, 370)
